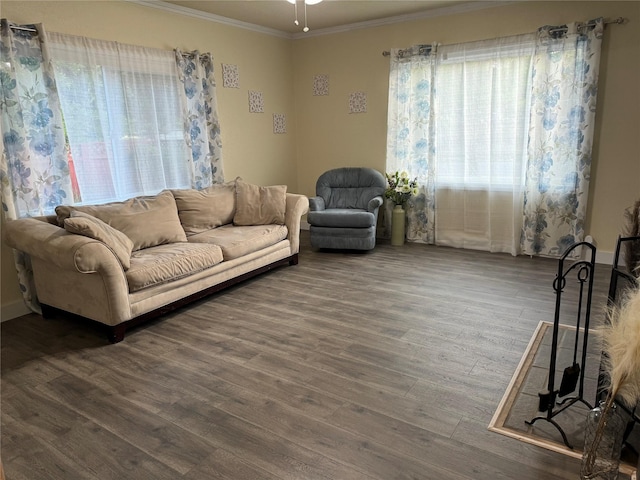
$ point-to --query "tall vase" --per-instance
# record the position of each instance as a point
(397, 226)
(602, 443)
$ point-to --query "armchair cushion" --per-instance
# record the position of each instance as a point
(342, 217)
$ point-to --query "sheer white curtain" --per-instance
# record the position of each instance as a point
(123, 114)
(481, 132)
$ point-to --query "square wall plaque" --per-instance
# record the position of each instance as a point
(279, 123)
(230, 76)
(256, 102)
(321, 85)
(358, 102)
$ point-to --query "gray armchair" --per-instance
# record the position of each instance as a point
(344, 213)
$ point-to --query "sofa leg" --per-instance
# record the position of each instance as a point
(116, 334)
(47, 311)
(293, 260)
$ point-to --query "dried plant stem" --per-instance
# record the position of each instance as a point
(621, 343)
(632, 248)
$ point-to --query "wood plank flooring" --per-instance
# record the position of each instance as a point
(380, 365)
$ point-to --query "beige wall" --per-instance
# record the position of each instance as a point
(328, 136)
(321, 132)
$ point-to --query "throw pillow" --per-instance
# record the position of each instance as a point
(147, 221)
(256, 205)
(83, 224)
(202, 210)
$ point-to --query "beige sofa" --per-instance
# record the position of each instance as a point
(122, 263)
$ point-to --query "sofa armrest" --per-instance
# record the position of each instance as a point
(297, 205)
(316, 204)
(374, 204)
(55, 245)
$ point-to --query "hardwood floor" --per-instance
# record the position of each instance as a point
(380, 365)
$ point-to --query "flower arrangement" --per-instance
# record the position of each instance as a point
(400, 188)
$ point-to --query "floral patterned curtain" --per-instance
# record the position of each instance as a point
(34, 172)
(202, 127)
(34, 169)
(562, 118)
(411, 136)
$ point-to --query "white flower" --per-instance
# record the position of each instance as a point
(400, 187)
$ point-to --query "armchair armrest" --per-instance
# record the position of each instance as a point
(374, 204)
(316, 204)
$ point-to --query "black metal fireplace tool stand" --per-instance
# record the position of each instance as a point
(573, 375)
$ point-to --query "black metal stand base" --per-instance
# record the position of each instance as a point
(566, 403)
(573, 375)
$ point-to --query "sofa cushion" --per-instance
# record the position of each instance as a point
(201, 210)
(237, 241)
(342, 217)
(163, 263)
(256, 205)
(147, 221)
(82, 223)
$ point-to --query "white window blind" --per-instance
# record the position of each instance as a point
(482, 106)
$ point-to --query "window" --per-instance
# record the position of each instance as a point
(123, 117)
(499, 134)
(482, 112)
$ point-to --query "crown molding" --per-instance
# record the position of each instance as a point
(471, 6)
(190, 12)
(436, 12)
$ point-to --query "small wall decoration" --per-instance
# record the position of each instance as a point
(279, 123)
(230, 76)
(321, 85)
(358, 102)
(256, 102)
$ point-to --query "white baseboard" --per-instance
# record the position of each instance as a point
(602, 257)
(605, 258)
(13, 310)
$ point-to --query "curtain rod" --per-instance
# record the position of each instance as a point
(617, 21)
(26, 29)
